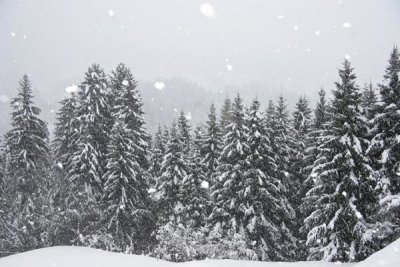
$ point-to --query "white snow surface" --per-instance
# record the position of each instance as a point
(387, 257)
(89, 257)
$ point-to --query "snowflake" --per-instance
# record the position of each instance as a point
(189, 116)
(205, 184)
(229, 67)
(125, 83)
(317, 33)
(346, 25)
(71, 89)
(111, 13)
(159, 85)
(13, 34)
(207, 10)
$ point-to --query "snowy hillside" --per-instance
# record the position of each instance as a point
(88, 257)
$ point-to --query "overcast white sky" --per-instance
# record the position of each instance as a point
(286, 45)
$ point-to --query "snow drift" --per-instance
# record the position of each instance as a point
(89, 257)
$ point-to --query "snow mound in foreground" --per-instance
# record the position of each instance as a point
(89, 257)
(387, 257)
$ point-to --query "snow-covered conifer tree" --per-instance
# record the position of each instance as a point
(384, 150)
(27, 167)
(211, 145)
(342, 188)
(225, 115)
(260, 189)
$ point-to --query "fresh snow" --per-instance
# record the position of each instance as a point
(387, 257)
(159, 85)
(207, 10)
(89, 257)
(346, 25)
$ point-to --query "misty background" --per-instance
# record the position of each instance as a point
(187, 54)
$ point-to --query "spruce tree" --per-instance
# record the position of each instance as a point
(63, 145)
(193, 192)
(369, 101)
(88, 162)
(342, 188)
(385, 150)
(211, 145)
(126, 200)
(184, 133)
(157, 154)
(173, 171)
(225, 115)
(301, 131)
(229, 209)
(27, 153)
(282, 143)
(129, 106)
(261, 189)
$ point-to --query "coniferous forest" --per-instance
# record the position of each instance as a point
(257, 182)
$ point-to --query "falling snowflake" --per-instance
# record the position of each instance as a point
(295, 27)
(205, 184)
(111, 13)
(347, 56)
(317, 33)
(71, 89)
(151, 190)
(207, 10)
(346, 25)
(60, 165)
(125, 83)
(229, 67)
(159, 85)
(189, 116)
(280, 16)
(13, 34)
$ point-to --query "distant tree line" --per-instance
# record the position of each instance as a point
(248, 184)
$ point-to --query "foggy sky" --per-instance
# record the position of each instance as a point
(287, 46)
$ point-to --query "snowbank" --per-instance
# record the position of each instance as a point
(88, 257)
(387, 257)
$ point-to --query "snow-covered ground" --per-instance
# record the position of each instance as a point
(88, 257)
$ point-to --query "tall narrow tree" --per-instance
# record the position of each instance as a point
(342, 188)
(27, 153)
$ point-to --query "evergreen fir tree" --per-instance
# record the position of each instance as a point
(342, 189)
(129, 106)
(157, 154)
(173, 171)
(384, 150)
(282, 143)
(229, 210)
(301, 131)
(27, 154)
(88, 162)
(193, 189)
(126, 198)
(225, 115)
(369, 101)
(260, 189)
(211, 145)
(184, 133)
